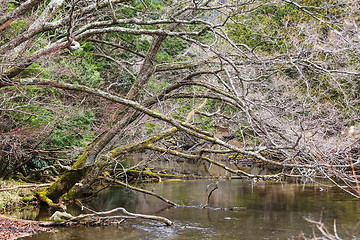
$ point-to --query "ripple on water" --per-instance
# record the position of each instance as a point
(262, 212)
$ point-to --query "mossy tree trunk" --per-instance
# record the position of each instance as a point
(90, 164)
(81, 176)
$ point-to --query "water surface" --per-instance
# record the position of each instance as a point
(264, 211)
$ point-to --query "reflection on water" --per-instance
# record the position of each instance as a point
(270, 212)
(199, 168)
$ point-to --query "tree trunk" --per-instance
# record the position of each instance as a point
(80, 171)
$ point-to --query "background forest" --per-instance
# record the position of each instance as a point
(271, 84)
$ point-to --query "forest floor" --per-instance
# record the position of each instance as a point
(11, 228)
(16, 195)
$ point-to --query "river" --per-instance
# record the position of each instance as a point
(263, 211)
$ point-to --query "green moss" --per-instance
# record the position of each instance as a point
(13, 198)
(156, 174)
(65, 182)
(81, 161)
(28, 198)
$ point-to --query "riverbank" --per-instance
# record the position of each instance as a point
(11, 228)
(16, 195)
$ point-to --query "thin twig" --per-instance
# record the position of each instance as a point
(140, 190)
(355, 177)
(25, 186)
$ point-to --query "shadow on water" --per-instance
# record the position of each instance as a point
(265, 211)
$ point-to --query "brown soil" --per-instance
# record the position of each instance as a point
(11, 228)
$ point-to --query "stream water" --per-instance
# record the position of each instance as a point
(273, 211)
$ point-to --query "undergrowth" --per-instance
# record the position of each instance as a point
(12, 199)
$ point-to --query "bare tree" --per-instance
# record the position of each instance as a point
(278, 97)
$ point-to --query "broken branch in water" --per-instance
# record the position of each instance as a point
(103, 216)
(211, 192)
(326, 233)
(140, 190)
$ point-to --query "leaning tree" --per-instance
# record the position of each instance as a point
(231, 83)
